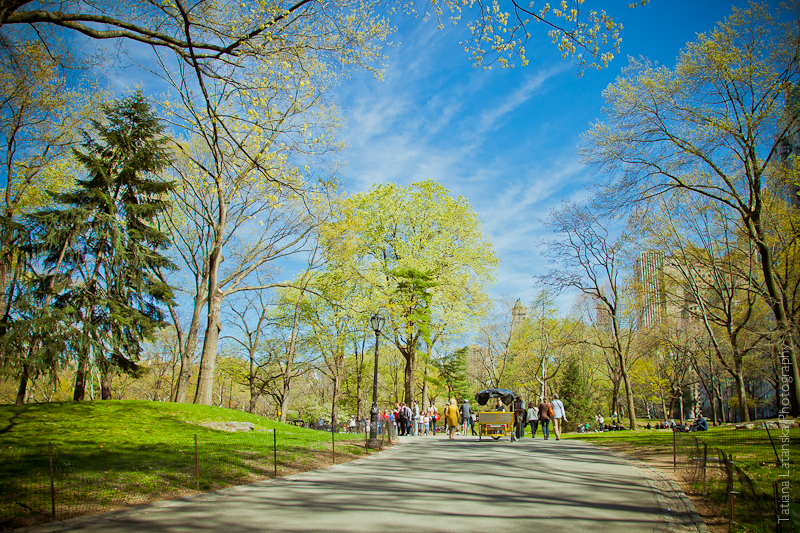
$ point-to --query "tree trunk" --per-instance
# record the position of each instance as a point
(106, 380)
(80, 378)
(720, 399)
(251, 382)
(741, 392)
(425, 401)
(778, 303)
(23, 385)
(187, 348)
(208, 361)
(614, 398)
(408, 376)
(629, 393)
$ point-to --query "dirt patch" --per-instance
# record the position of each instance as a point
(661, 460)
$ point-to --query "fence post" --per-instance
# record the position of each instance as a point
(729, 470)
(705, 466)
(196, 465)
(52, 482)
(275, 450)
(777, 458)
(777, 507)
(729, 474)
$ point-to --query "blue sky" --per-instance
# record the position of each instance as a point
(504, 139)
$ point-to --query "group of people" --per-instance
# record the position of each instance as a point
(600, 423)
(540, 414)
(411, 420)
(459, 419)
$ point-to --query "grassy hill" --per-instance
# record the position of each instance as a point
(109, 454)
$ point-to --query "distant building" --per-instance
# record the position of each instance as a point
(602, 317)
(519, 314)
(652, 296)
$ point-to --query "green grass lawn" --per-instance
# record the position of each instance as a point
(114, 453)
(756, 465)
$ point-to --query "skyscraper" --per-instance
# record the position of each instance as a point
(650, 278)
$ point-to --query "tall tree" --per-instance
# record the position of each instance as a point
(390, 233)
(102, 242)
(711, 126)
(542, 343)
(574, 392)
(39, 118)
(453, 367)
(590, 260)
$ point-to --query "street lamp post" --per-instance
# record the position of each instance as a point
(376, 322)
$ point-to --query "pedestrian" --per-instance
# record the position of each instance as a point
(533, 418)
(434, 417)
(451, 417)
(544, 416)
(559, 415)
(466, 416)
(520, 415)
(415, 416)
(402, 420)
(473, 420)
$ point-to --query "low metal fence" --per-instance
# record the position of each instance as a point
(46, 483)
(752, 471)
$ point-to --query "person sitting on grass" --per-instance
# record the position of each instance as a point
(700, 424)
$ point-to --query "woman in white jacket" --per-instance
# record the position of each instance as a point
(533, 418)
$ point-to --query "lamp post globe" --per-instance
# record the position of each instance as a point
(376, 322)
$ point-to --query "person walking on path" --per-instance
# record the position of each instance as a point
(559, 415)
(451, 417)
(520, 417)
(415, 417)
(404, 415)
(434, 413)
(533, 418)
(544, 416)
(466, 416)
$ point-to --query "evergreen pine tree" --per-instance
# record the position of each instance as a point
(575, 395)
(454, 367)
(101, 242)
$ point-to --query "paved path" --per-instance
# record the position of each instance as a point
(431, 484)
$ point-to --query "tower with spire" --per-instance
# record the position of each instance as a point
(519, 314)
